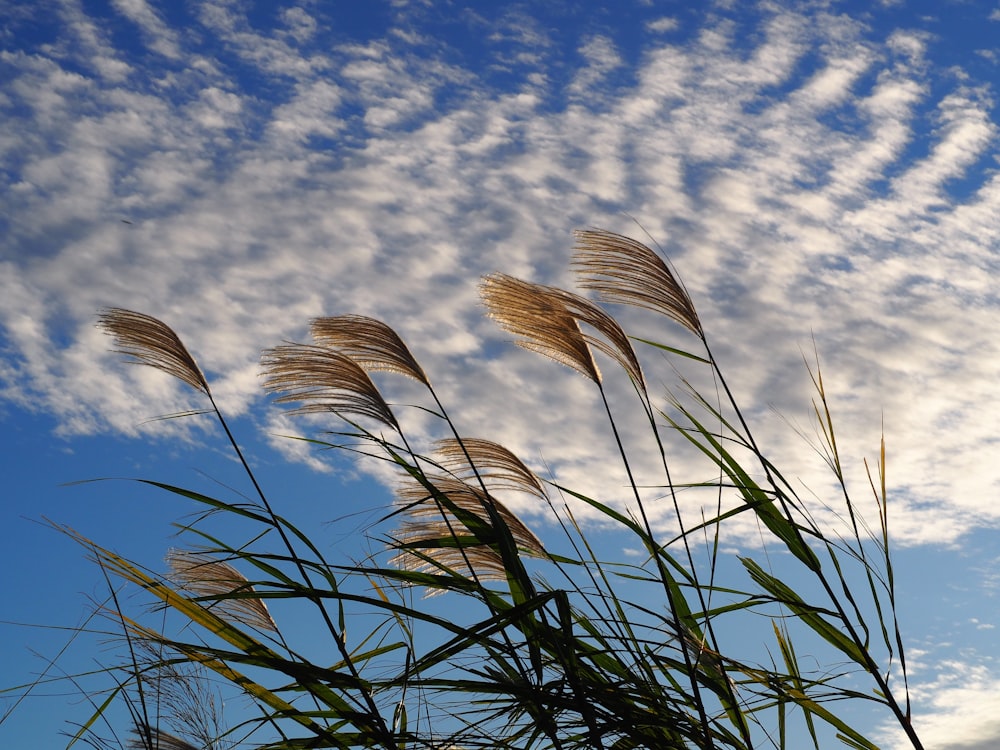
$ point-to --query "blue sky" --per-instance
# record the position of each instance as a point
(815, 170)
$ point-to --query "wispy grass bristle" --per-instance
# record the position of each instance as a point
(148, 341)
(143, 735)
(547, 320)
(371, 343)
(615, 342)
(625, 271)
(187, 700)
(495, 465)
(206, 577)
(322, 380)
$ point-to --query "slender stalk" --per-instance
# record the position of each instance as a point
(698, 587)
(871, 666)
(664, 576)
(348, 661)
(511, 558)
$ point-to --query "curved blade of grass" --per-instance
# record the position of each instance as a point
(754, 496)
(672, 350)
(256, 652)
(807, 613)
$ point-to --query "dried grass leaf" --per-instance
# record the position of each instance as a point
(148, 341)
(322, 380)
(625, 271)
(204, 576)
(369, 342)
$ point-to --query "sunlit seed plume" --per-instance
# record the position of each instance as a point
(369, 342)
(540, 319)
(615, 342)
(322, 380)
(624, 271)
(148, 341)
(206, 577)
(495, 465)
(429, 527)
(420, 504)
(440, 560)
(548, 321)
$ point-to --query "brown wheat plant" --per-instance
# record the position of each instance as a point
(556, 646)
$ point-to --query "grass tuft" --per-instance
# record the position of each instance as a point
(554, 644)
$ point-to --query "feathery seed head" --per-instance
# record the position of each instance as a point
(615, 342)
(206, 577)
(540, 320)
(548, 321)
(323, 380)
(496, 466)
(148, 341)
(624, 271)
(369, 342)
(433, 538)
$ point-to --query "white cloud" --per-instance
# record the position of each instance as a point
(311, 112)
(601, 57)
(160, 37)
(798, 197)
(300, 24)
(216, 109)
(910, 45)
(661, 25)
(88, 43)
(959, 709)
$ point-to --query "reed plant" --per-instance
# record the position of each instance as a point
(554, 645)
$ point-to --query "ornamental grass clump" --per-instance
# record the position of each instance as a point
(555, 646)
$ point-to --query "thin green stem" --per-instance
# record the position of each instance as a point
(679, 629)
